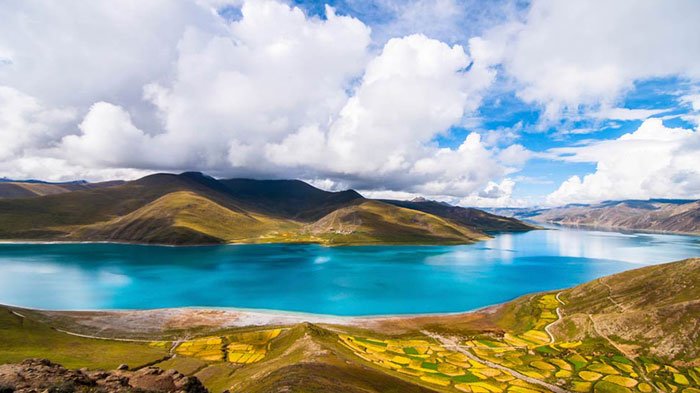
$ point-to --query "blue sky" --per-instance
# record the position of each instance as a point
(500, 103)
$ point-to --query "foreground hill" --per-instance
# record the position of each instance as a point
(192, 208)
(663, 215)
(631, 332)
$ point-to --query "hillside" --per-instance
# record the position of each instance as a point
(27, 189)
(635, 331)
(678, 216)
(469, 217)
(370, 221)
(192, 208)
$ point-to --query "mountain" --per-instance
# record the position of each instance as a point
(636, 331)
(662, 215)
(193, 208)
(30, 188)
(469, 217)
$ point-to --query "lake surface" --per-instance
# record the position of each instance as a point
(374, 280)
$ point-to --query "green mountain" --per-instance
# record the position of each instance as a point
(633, 332)
(192, 208)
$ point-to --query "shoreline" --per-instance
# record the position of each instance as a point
(616, 229)
(268, 312)
(67, 242)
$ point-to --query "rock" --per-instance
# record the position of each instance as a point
(41, 375)
(191, 385)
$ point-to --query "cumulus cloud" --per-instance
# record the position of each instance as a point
(565, 55)
(26, 123)
(415, 89)
(74, 53)
(654, 161)
(495, 195)
(272, 72)
(109, 138)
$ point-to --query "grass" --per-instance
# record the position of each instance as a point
(22, 338)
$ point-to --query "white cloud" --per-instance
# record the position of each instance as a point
(626, 113)
(495, 195)
(652, 162)
(415, 89)
(108, 139)
(273, 72)
(26, 123)
(565, 55)
(73, 52)
(693, 100)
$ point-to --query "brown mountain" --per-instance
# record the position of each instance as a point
(663, 215)
(192, 208)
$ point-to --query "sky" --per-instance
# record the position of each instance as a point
(488, 104)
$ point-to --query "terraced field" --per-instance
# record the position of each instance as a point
(576, 366)
(433, 364)
(239, 348)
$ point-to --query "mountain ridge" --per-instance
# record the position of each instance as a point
(660, 215)
(193, 208)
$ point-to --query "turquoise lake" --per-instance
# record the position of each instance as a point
(372, 280)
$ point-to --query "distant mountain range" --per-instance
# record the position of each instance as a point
(657, 215)
(29, 188)
(193, 208)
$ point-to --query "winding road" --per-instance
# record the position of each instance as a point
(559, 317)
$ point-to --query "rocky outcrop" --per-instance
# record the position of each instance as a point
(41, 375)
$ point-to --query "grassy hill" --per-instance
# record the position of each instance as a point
(192, 208)
(656, 304)
(469, 217)
(535, 344)
(374, 221)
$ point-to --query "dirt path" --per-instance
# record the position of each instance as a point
(610, 292)
(451, 343)
(103, 338)
(559, 317)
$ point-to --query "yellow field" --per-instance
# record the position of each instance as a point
(242, 348)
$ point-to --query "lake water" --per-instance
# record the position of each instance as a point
(374, 280)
